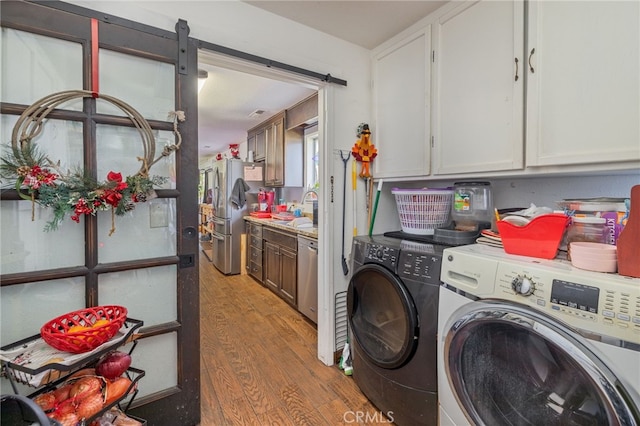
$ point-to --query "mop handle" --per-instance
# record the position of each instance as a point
(375, 207)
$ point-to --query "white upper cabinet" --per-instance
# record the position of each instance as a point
(583, 90)
(479, 88)
(401, 105)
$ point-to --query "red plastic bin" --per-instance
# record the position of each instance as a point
(540, 237)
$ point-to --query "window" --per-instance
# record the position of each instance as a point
(312, 157)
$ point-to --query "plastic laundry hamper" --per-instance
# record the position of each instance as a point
(422, 211)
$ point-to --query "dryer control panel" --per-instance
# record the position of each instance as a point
(382, 254)
(419, 267)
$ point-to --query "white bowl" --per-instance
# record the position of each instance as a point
(598, 249)
(593, 258)
(594, 264)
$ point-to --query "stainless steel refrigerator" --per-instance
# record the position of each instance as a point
(228, 223)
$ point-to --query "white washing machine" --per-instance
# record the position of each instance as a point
(527, 341)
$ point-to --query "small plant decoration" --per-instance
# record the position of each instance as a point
(74, 193)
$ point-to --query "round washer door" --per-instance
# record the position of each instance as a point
(382, 316)
(510, 365)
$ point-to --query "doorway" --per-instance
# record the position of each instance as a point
(299, 88)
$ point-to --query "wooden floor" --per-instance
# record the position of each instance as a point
(259, 364)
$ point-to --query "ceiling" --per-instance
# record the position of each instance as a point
(365, 23)
(229, 97)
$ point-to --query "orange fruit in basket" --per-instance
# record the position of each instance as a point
(76, 329)
(76, 340)
(100, 323)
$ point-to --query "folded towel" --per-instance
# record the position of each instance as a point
(238, 196)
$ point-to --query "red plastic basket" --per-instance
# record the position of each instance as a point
(538, 238)
(59, 332)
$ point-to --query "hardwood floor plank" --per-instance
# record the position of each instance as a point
(259, 361)
(300, 409)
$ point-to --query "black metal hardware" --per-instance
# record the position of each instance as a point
(516, 69)
(189, 232)
(530, 55)
(182, 30)
(328, 78)
(187, 261)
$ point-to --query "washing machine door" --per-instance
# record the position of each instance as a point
(382, 316)
(510, 365)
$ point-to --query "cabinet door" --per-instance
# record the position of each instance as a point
(278, 154)
(271, 266)
(269, 162)
(251, 144)
(479, 88)
(289, 276)
(260, 145)
(274, 161)
(401, 131)
(584, 91)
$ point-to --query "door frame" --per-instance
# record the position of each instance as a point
(326, 294)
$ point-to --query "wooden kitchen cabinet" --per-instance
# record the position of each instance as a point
(583, 89)
(256, 142)
(274, 160)
(280, 264)
(282, 152)
(289, 275)
(303, 113)
(401, 102)
(479, 88)
(254, 251)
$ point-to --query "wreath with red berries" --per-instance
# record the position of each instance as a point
(73, 193)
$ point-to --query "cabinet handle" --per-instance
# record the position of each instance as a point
(516, 69)
(530, 55)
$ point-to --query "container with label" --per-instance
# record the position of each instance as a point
(587, 229)
(472, 205)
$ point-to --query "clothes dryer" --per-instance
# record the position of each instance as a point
(392, 303)
(527, 341)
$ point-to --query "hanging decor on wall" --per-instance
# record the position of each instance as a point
(363, 150)
(40, 179)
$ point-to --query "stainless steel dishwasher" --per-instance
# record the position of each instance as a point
(308, 277)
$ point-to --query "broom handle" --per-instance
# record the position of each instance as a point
(375, 207)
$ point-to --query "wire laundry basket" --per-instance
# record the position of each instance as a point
(422, 211)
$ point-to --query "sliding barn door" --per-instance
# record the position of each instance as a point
(146, 259)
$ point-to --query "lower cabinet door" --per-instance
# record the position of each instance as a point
(289, 276)
(271, 266)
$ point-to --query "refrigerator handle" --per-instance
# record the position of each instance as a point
(217, 237)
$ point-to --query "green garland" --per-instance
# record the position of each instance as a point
(74, 193)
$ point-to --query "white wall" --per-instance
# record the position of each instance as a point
(518, 192)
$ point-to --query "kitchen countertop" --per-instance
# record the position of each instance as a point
(278, 224)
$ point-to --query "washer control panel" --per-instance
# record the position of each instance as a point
(598, 303)
(523, 285)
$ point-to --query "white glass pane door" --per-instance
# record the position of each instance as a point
(147, 85)
(128, 236)
(38, 66)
